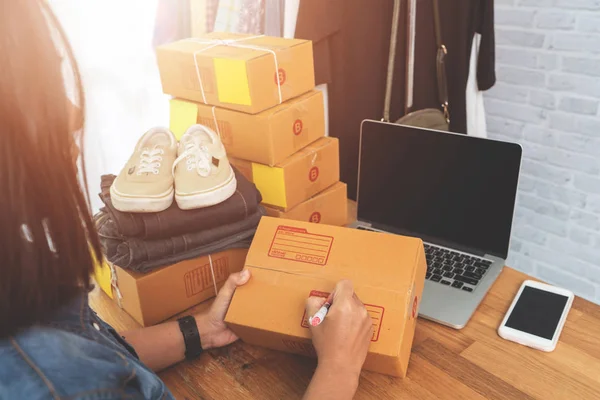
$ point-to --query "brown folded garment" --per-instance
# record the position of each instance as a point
(174, 221)
(145, 255)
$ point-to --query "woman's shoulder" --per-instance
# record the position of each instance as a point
(74, 355)
(46, 362)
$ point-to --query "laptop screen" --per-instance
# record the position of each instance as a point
(449, 189)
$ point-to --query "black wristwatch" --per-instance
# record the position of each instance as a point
(191, 337)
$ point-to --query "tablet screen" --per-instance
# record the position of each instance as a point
(537, 312)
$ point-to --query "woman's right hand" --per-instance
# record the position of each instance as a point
(342, 340)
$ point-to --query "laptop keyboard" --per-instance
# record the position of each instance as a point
(450, 268)
(457, 270)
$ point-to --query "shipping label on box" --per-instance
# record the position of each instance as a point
(268, 137)
(297, 178)
(158, 295)
(292, 260)
(241, 72)
(329, 207)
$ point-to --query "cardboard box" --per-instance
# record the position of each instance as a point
(268, 137)
(158, 295)
(298, 177)
(291, 260)
(235, 71)
(330, 207)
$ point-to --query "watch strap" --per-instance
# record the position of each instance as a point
(191, 337)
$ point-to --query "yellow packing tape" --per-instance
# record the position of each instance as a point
(232, 81)
(271, 184)
(183, 115)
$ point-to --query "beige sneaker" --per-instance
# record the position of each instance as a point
(145, 184)
(203, 176)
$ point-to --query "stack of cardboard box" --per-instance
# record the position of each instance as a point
(257, 93)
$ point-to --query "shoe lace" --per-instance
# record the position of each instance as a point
(197, 157)
(150, 161)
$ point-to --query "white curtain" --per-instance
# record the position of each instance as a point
(112, 41)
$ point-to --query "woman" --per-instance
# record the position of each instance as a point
(52, 345)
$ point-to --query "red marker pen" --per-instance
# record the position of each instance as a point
(319, 316)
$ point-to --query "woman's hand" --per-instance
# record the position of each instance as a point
(341, 341)
(211, 325)
(161, 346)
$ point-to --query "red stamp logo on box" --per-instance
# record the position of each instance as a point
(376, 313)
(315, 217)
(298, 125)
(313, 174)
(280, 76)
(296, 244)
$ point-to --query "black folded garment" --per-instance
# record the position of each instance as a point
(145, 255)
(174, 221)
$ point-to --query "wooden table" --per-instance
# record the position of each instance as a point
(473, 363)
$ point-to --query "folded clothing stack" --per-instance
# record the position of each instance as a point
(146, 241)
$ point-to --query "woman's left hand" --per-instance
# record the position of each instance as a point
(211, 325)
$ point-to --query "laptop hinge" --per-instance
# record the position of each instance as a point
(427, 239)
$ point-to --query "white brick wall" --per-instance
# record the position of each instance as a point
(548, 99)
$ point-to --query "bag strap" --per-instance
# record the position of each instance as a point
(440, 61)
(391, 61)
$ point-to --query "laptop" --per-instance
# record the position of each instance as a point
(455, 192)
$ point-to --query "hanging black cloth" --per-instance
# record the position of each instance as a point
(351, 45)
